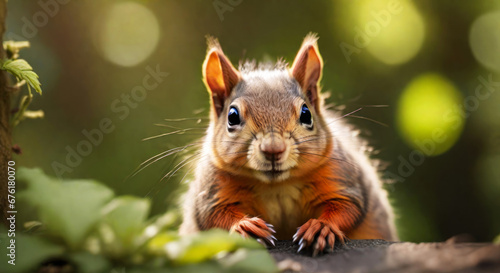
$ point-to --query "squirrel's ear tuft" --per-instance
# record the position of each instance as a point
(307, 68)
(219, 75)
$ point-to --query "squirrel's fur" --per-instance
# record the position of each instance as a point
(273, 173)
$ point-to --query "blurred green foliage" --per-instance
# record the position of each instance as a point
(448, 194)
(82, 223)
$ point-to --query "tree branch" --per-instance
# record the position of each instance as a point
(5, 127)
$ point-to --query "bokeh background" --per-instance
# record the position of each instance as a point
(426, 61)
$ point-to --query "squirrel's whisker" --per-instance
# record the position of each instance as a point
(370, 105)
(235, 153)
(311, 139)
(170, 133)
(198, 119)
(345, 115)
(180, 128)
(179, 166)
(230, 141)
(329, 157)
(158, 157)
(176, 168)
(369, 119)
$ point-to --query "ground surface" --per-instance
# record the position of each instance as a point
(381, 256)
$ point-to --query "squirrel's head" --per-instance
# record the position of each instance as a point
(267, 123)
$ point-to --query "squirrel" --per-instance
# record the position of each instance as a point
(277, 164)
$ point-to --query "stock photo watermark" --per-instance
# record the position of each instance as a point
(364, 36)
(11, 213)
(121, 107)
(406, 166)
(39, 19)
(223, 6)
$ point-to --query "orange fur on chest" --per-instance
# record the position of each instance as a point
(286, 205)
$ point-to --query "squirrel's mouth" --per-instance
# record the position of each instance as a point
(272, 171)
(274, 175)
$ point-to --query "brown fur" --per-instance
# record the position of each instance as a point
(325, 184)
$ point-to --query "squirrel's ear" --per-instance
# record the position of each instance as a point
(307, 68)
(219, 76)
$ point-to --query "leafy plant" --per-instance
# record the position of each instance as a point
(85, 224)
(24, 73)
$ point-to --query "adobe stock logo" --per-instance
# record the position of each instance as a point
(48, 9)
(223, 6)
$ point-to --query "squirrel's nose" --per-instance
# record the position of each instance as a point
(273, 147)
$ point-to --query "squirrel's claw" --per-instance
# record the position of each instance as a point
(301, 246)
(320, 235)
(271, 228)
(260, 241)
(256, 228)
(271, 240)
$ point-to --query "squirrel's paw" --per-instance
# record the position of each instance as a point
(256, 228)
(320, 235)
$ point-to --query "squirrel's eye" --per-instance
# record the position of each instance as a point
(233, 117)
(305, 116)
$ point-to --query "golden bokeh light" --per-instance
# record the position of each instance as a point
(429, 115)
(128, 34)
(484, 39)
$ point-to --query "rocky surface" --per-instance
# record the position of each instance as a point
(381, 256)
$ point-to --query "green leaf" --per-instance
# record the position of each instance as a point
(159, 231)
(249, 260)
(206, 245)
(124, 218)
(89, 263)
(156, 245)
(167, 221)
(206, 267)
(22, 71)
(30, 253)
(69, 209)
(497, 240)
